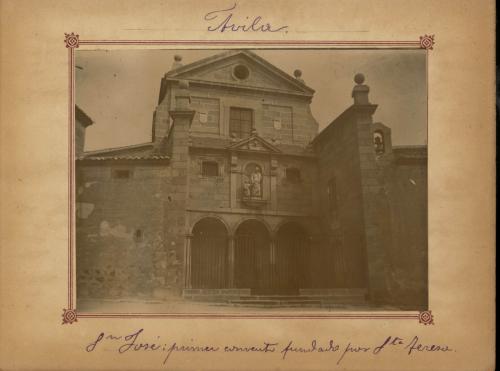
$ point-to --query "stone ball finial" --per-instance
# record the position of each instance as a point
(177, 58)
(184, 84)
(359, 78)
(297, 74)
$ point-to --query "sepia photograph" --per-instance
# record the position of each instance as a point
(247, 185)
(251, 181)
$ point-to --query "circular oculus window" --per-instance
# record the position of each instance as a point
(241, 72)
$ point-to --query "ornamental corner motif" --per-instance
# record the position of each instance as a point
(427, 42)
(69, 316)
(72, 40)
(425, 317)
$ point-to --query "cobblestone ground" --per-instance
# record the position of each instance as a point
(152, 306)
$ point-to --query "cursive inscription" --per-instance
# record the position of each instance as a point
(135, 341)
(314, 347)
(415, 345)
(133, 344)
(222, 21)
(350, 348)
(267, 347)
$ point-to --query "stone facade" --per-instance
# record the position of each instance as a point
(238, 191)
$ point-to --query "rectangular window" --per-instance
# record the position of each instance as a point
(240, 122)
(121, 174)
(209, 168)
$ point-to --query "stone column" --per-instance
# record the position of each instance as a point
(273, 275)
(273, 174)
(234, 179)
(230, 262)
(187, 261)
(313, 270)
(178, 150)
(272, 249)
(363, 112)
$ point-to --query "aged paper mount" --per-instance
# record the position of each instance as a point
(251, 279)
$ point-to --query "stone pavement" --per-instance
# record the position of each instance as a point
(191, 307)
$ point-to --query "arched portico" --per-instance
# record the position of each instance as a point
(250, 255)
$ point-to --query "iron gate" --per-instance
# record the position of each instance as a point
(252, 255)
(209, 254)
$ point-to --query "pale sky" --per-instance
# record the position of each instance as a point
(119, 89)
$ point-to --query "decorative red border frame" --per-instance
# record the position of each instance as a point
(72, 41)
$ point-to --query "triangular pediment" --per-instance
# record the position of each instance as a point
(254, 143)
(220, 69)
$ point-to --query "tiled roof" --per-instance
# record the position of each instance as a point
(102, 158)
(143, 151)
(410, 154)
(410, 151)
(147, 151)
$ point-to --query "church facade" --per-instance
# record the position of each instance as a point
(238, 196)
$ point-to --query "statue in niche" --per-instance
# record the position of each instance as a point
(378, 142)
(247, 186)
(252, 181)
(256, 179)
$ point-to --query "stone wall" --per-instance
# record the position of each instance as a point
(210, 192)
(378, 228)
(120, 241)
(161, 118)
(407, 234)
(207, 117)
(298, 126)
(296, 196)
(283, 195)
(339, 166)
(176, 191)
(374, 205)
(277, 122)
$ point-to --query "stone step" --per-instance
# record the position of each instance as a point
(342, 300)
(273, 297)
(211, 298)
(301, 292)
(326, 298)
(313, 304)
(303, 297)
(222, 292)
(274, 305)
(333, 292)
(277, 302)
(336, 299)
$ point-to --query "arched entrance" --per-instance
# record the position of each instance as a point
(292, 258)
(252, 256)
(209, 254)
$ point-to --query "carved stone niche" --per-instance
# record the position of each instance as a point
(252, 190)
